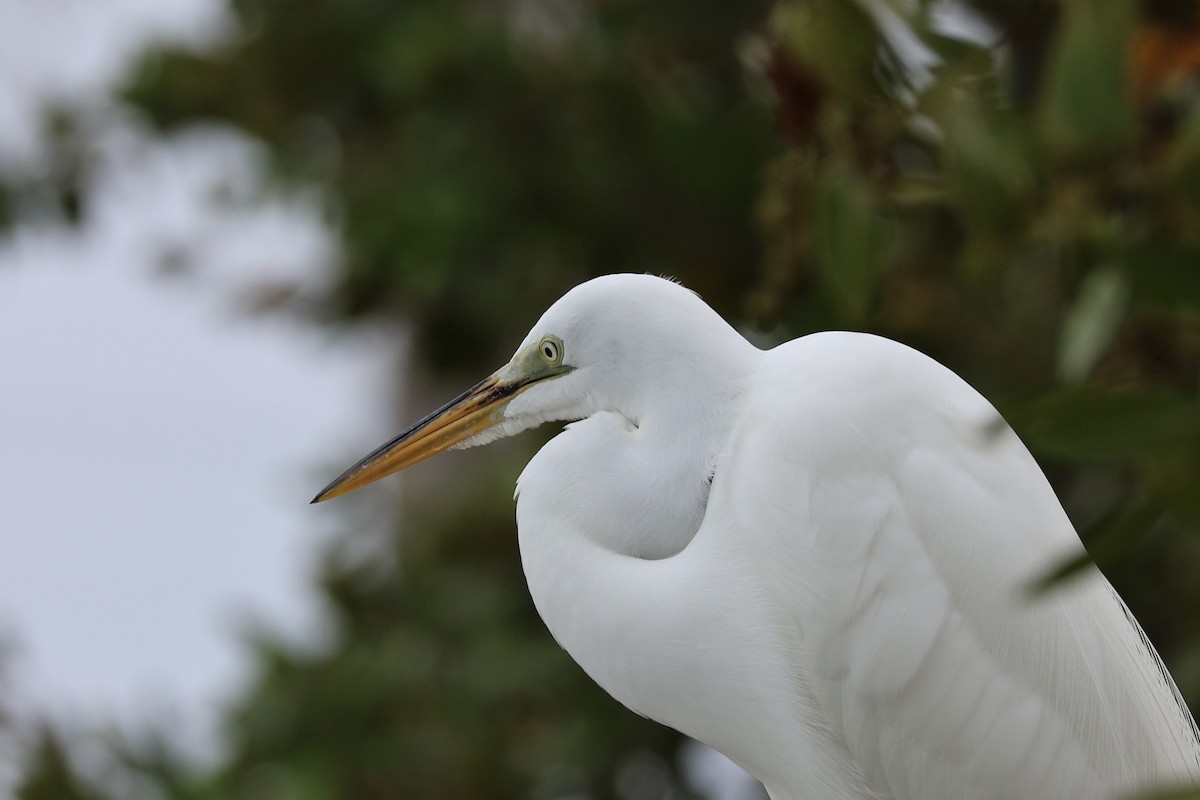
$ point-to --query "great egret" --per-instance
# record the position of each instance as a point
(814, 559)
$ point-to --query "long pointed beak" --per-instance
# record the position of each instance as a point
(472, 412)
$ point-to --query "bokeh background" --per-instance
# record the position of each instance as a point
(242, 242)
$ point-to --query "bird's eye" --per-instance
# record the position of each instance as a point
(551, 350)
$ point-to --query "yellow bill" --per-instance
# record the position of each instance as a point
(472, 412)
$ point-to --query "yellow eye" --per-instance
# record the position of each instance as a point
(551, 350)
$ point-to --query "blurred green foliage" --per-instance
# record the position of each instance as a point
(481, 157)
(53, 777)
(1022, 203)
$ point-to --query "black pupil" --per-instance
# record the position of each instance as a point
(549, 351)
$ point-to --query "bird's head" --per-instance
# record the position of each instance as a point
(605, 345)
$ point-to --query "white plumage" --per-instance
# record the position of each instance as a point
(814, 559)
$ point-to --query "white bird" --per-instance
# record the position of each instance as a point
(814, 559)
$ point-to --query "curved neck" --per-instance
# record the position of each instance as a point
(662, 639)
(642, 487)
(633, 571)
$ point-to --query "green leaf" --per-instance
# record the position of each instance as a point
(1175, 484)
(832, 39)
(1092, 424)
(988, 161)
(1092, 323)
(852, 242)
(1165, 277)
(1087, 104)
(1116, 534)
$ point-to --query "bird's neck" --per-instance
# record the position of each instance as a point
(688, 640)
(637, 478)
(670, 621)
(644, 488)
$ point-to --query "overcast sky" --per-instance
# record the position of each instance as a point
(158, 445)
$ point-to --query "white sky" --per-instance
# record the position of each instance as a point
(54, 50)
(158, 447)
